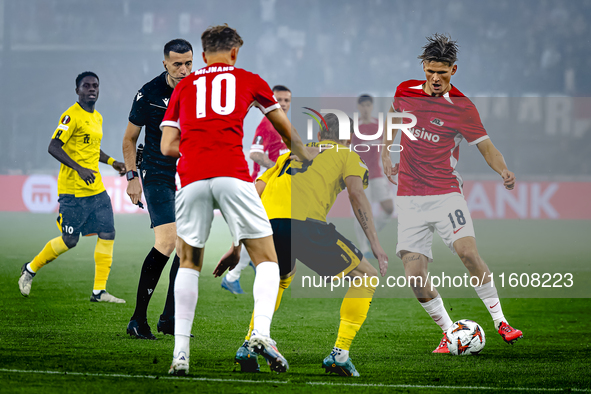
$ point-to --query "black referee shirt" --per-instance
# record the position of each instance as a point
(148, 108)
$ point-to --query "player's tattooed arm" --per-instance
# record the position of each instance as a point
(362, 209)
(494, 158)
(262, 159)
(56, 150)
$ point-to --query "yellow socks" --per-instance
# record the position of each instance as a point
(283, 285)
(353, 313)
(52, 249)
(103, 257)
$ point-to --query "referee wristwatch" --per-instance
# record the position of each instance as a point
(131, 174)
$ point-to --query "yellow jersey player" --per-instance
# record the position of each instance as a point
(297, 198)
(85, 206)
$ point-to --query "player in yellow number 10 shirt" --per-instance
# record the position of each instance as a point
(85, 206)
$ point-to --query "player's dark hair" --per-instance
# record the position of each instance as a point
(177, 45)
(440, 48)
(81, 76)
(280, 88)
(364, 97)
(332, 121)
(220, 38)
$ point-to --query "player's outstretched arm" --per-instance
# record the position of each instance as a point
(55, 149)
(260, 186)
(496, 161)
(389, 170)
(134, 188)
(228, 260)
(117, 165)
(362, 209)
(262, 159)
(171, 139)
(289, 134)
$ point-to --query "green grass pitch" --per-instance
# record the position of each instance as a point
(78, 346)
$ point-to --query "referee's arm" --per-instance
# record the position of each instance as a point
(132, 132)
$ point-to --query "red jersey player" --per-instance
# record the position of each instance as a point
(429, 187)
(203, 126)
(379, 190)
(267, 144)
(266, 147)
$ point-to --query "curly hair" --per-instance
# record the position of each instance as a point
(440, 48)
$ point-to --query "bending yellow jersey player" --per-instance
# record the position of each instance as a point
(297, 197)
(85, 206)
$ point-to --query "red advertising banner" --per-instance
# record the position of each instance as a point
(488, 199)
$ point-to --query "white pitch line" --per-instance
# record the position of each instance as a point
(117, 375)
(180, 378)
(416, 386)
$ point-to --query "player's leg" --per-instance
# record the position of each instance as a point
(384, 194)
(194, 213)
(415, 237)
(231, 280)
(100, 221)
(457, 231)
(154, 263)
(468, 253)
(353, 314)
(70, 218)
(247, 220)
(282, 241)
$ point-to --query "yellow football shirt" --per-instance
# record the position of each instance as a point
(81, 132)
(299, 192)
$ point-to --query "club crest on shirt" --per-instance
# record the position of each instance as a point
(437, 122)
(66, 119)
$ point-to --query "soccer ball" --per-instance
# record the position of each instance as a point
(465, 337)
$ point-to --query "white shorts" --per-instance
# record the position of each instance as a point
(379, 189)
(238, 201)
(420, 216)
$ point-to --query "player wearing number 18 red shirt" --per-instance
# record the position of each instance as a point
(203, 126)
(429, 187)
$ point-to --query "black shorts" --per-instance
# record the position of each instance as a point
(159, 190)
(316, 244)
(86, 215)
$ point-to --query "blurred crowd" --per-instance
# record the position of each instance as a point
(317, 48)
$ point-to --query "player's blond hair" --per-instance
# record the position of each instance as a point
(440, 48)
(220, 38)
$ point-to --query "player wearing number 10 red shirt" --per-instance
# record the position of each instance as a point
(430, 189)
(203, 126)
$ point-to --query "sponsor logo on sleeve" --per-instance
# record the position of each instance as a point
(138, 96)
(66, 119)
(63, 127)
(258, 140)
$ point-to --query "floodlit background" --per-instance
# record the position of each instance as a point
(317, 49)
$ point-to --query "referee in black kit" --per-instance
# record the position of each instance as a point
(158, 178)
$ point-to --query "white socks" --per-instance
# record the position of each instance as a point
(488, 294)
(235, 273)
(341, 355)
(264, 291)
(185, 300)
(437, 311)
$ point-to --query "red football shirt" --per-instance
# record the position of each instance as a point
(428, 165)
(208, 107)
(369, 154)
(267, 140)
